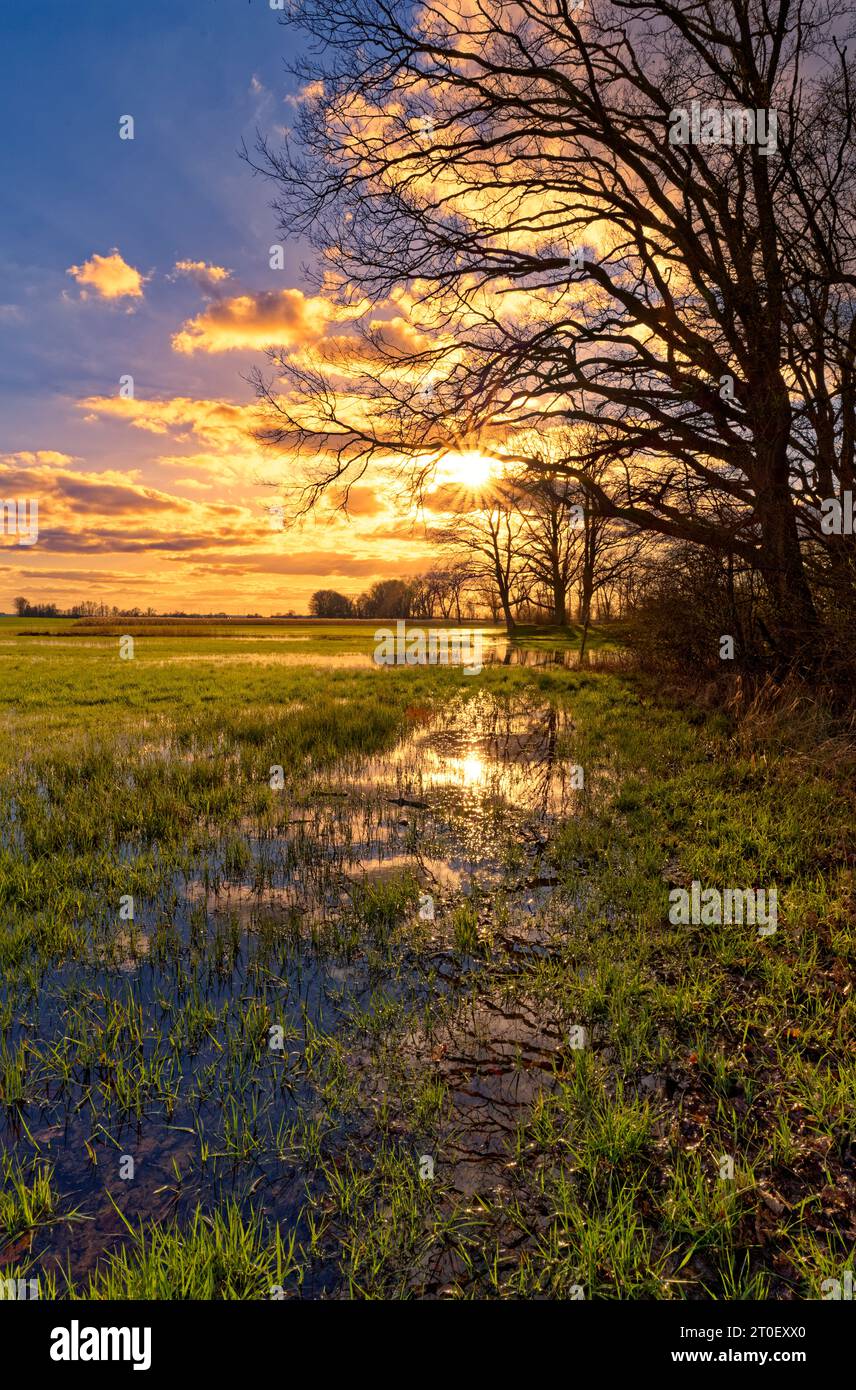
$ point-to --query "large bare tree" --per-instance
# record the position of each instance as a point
(551, 512)
(489, 538)
(518, 176)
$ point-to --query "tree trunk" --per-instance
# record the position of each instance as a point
(559, 601)
(583, 641)
(795, 622)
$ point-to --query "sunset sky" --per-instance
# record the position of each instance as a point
(150, 258)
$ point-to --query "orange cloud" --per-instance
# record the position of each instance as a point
(109, 276)
(399, 336)
(114, 511)
(271, 318)
(193, 484)
(361, 501)
(219, 422)
(208, 277)
(31, 458)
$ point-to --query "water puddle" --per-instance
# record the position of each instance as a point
(387, 883)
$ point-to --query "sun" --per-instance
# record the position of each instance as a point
(469, 470)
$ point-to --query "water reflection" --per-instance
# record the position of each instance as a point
(500, 650)
(496, 649)
(493, 751)
(465, 800)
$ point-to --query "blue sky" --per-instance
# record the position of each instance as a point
(163, 500)
(186, 72)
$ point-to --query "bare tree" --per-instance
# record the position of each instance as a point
(387, 598)
(328, 603)
(489, 538)
(703, 322)
(551, 513)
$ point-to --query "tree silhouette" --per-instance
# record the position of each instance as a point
(684, 310)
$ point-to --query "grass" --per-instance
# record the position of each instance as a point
(198, 974)
(217, 1256)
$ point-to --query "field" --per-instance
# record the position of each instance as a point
(320, 979)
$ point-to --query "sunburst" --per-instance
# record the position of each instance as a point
(470, 470)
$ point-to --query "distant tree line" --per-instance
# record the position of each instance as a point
(87, 608)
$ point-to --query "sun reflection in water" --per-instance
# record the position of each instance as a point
(472, 769)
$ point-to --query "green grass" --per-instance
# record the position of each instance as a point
(218, 1256)
(298, 1166)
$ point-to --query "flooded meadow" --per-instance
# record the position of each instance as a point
(320, 980)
